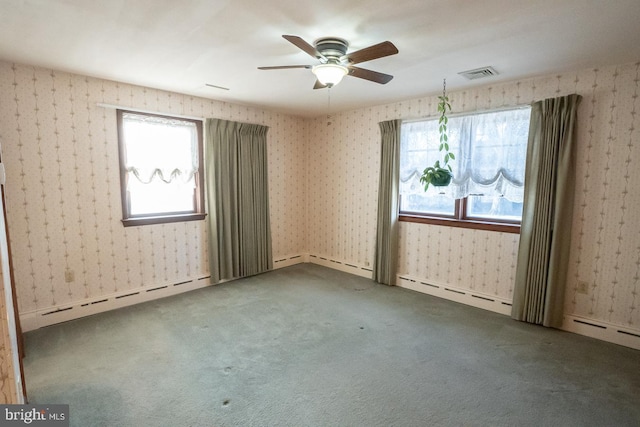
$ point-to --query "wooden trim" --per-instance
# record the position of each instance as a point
(466, 217)
(124, 194)
(462, 223)
(14, 297)
(460, 208)
(130, 222)
(199, 203)
(460, 220)
(463, 208)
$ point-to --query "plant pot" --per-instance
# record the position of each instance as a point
(442, 178)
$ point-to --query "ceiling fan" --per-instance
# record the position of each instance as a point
(335, 62)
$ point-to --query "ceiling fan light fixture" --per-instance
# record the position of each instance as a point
(330, 74)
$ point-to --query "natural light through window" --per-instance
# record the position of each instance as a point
(160, 165)
(488, 170)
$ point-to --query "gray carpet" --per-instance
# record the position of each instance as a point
(310, 346)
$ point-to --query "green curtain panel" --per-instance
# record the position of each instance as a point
(237, 199)
(386, 254)
(545, 233)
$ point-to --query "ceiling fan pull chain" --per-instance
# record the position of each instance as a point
(328, 106)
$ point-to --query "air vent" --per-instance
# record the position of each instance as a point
(479, 73)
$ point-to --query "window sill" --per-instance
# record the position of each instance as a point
(147, 220)
(464, 223)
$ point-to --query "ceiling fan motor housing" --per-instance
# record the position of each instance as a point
(332, 48)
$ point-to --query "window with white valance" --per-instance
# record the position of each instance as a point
(488, 170)
(160, 161)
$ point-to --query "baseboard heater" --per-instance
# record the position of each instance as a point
(464, 296)
(595, 329)
(603, 331)
(52, 315)
(336, 264)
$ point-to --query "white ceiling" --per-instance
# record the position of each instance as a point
(182, 45)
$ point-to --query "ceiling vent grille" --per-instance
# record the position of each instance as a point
(479, 73)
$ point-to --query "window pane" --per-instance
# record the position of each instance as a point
(418, 149)
(157, 143)
(493, 207)
(431, 202)
(497, 146)
(158, 197)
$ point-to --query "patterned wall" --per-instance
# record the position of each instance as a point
(605, 250)
(606, 239)
(64, 203)
(63, 189)
(342, 179)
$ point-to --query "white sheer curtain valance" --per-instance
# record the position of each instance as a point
(490, 150)
(160, 149)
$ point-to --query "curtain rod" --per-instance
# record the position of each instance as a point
(140, 110)
(467, 113)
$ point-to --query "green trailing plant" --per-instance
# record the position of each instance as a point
(440, 175)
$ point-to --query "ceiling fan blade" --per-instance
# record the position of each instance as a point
(319, 85)
(282, 67)
(373, 76)
(304, 46)
(376, 51)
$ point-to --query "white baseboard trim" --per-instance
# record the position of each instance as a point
(464, 296)
(347, 267)
(287, 261)
(604, 331)
(616, 334)
(31, 320)
(40, 318)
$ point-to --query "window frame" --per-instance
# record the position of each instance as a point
(198, 213)
(460, 218)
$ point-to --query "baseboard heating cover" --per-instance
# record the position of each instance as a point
(464, 296)
(289, 260)
(35, 319)
(40, 318)
(617, 334)
(347, 267)
(622, 335)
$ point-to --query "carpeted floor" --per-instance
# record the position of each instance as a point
(310, 346)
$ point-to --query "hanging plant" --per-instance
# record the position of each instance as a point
(439, 175)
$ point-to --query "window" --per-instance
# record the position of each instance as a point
(488, 183)
(160, 168)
